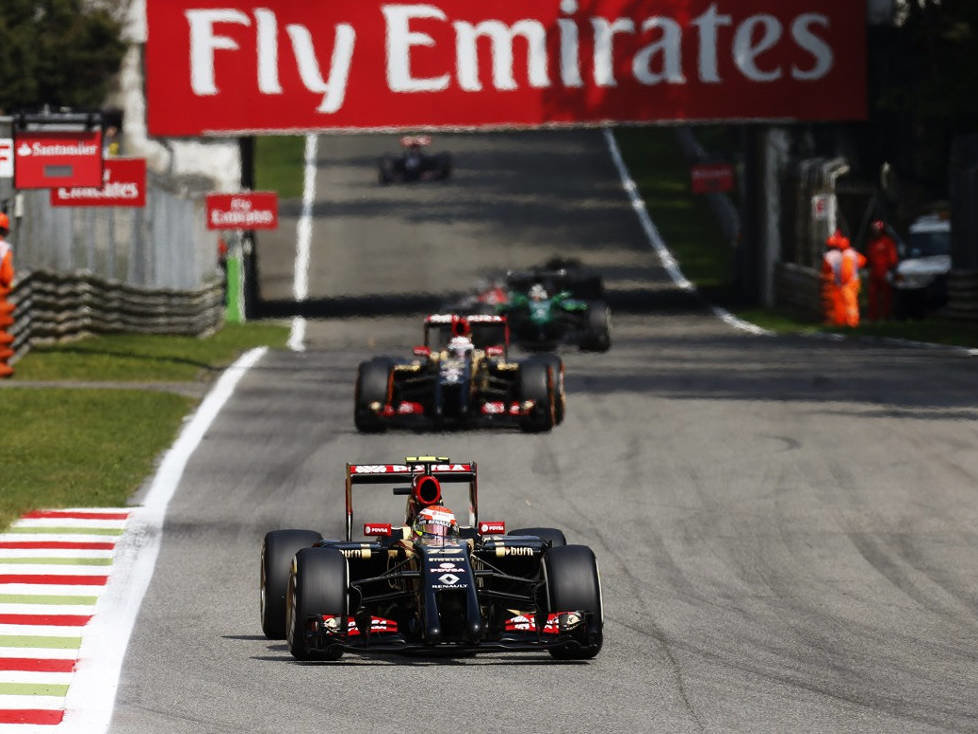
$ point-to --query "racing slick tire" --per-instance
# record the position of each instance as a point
(385, 170)
(560, 396)
(319, 582)
(536, 380)
(573, 583)
(443, 166)
(548, 535)
(597, 337)
(277, 550)
(373, 385)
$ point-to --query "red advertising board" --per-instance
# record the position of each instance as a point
(226, 66)
(256, 210)
(123, 184)
(708, 178)
(44, 160)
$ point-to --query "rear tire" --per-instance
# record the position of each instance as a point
(318, 584)
(385, 170)
(573, 583)
(560, 396)
(373, 386)
(548, 535)
(277, 550)
(598, 335)
(537, 384)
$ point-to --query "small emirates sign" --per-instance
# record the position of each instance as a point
(256, 210)
(124, 184)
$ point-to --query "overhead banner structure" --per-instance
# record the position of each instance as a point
(230, 67)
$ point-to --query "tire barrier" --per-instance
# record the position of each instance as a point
(50, 307)
(962, 295)
(799, 289)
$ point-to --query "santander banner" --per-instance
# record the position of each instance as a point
(287, 65)
(43, 160)
(123, 184)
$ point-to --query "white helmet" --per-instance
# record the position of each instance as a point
(537, 292)
(459, 346)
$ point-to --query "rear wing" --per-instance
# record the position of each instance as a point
(412, 471)
(486, 330)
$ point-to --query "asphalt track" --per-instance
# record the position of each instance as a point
(786, 528)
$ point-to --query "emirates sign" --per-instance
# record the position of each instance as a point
(256, 210)
(123, 184)
(287, 65)
(44, 160)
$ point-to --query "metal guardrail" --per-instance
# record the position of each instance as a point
(799, 289)
(53, 306)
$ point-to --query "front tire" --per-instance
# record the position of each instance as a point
(598, 335)
(560, 395)
(573, 583)
(319, 584)
(277, 550)
(373, 386)
(537, 384)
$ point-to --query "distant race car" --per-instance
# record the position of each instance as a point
(461, 377)
(560, 302)
(430, 585)
(414, 164)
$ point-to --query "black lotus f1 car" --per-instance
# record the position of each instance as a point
(414, 164)
(460, 377)
(480, 591)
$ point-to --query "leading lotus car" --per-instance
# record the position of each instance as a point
(429, 584)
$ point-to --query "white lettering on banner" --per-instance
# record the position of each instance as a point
(400, 39)
(502, 36)
(204, 42)
(108, 191)
(656, 46)
(55, 149)
(236, 218)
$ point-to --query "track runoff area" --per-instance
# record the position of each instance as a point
(71, 581)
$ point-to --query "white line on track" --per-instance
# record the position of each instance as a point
(47, 608)
(30, 702)
(38, 537)
(16, 569)
(38, 653)
(657, 243)
(39, 630)
(26, 676)
(54, 589)
(8, 553)
(62, 522)
(303, 243)
(91, 698)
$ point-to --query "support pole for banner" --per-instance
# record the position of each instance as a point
(234, 274)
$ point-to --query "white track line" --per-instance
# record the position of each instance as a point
(303, 243)
(91, 698)
(657, 243)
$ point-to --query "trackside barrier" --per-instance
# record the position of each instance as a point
(50, 307)
(962, 295)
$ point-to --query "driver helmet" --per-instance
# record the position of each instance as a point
(879, 227)
(459, 346)
(537, 292)
(435, 524)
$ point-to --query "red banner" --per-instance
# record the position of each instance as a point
(44, 160)
(707, 178)
(225, 66)
(123, 184)
(257, 210)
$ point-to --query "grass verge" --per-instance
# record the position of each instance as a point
(94, 447)
(146, 357)
(278, 164)
(81, 448)
(685, 221)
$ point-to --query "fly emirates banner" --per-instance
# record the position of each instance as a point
(290, 65)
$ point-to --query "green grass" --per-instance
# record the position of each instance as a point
(69, 448)
(934, 330)
(685, 221)
(278, 165)
(93, 447)
(146, 357)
